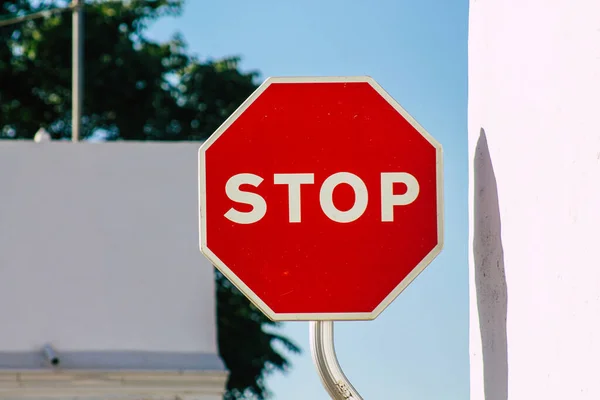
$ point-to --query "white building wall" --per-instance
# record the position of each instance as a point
(534, 139)
(99, 258)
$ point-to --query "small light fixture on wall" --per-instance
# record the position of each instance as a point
(51, 356)
(42, 135)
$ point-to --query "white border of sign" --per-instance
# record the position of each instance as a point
(318, 316)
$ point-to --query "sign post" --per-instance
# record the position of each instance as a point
(321, 200)
(328, 368)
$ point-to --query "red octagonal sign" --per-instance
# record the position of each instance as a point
(321, 198)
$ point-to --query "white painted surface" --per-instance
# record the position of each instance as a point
(88, 385)
(99, 249)
(534, 89)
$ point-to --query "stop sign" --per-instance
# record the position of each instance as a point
(320, 198)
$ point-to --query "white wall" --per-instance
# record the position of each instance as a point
(99, 253)
(534, 139)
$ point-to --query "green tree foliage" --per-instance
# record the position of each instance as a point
(135, 89)
(239, 318)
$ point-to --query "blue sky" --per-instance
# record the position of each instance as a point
(417, 50)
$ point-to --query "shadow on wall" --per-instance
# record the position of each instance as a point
(490, 278)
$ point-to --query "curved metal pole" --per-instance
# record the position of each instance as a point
(330, 372)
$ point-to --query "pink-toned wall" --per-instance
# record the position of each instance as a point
(534, 140)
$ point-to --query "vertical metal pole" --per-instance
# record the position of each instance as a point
(77, 70)
(330, 372)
